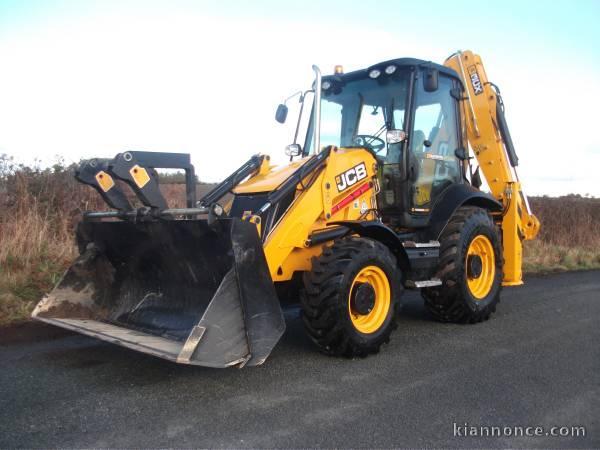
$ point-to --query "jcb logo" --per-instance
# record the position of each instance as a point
(351, 176)
(475, 81)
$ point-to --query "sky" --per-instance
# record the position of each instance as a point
(81, 79)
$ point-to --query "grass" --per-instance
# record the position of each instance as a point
(568, 238)
(541, 257)
(39, 209)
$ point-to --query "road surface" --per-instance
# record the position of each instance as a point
(535, 363)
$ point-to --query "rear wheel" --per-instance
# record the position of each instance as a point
(351, 297)
(470, 269)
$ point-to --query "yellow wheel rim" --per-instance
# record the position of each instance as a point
(480, 266)
(370, 321)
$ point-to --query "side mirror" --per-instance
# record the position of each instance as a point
(431, 80)
(281, 113)
(293, 150)
(461, 154)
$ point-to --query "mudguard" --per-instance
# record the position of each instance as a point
(376, 230)
(453, 198)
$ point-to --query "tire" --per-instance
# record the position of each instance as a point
(337, 295)
(465, 296)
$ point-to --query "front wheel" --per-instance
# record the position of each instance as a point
(470, 269)
(351, 297)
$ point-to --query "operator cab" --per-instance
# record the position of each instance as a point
(405, 112)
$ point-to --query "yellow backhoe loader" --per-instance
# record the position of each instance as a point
(382, 194)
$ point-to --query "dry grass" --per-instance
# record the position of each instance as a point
(542, 257)
(40, 208)
(38, 211)
(569, 238)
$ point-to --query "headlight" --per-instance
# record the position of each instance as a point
(390, 69)
(374, 73)
(218, 209)
(293, 150)
(325, 85)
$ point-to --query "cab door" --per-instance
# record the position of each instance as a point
(433, 140)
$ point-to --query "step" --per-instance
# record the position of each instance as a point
(423, 283)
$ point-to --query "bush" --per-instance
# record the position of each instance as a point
(39, 209)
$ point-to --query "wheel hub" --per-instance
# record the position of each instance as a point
(480, 267)
(362, 300)
(474, 266)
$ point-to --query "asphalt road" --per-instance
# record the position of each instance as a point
(536, 363)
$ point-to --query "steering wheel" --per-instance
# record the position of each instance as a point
(371, 142)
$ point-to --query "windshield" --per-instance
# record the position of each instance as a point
(359, 112)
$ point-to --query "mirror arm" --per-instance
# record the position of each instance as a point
(299, 119)
(292, 96)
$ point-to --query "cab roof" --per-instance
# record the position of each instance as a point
(401, 63)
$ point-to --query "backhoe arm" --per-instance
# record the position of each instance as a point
(489, 138)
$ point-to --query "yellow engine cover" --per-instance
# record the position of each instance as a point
(344, 190)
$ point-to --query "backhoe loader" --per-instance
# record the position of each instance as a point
(382, 192)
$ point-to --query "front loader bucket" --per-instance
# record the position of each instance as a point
(177, 289)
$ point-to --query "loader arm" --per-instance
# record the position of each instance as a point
(489, 138)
